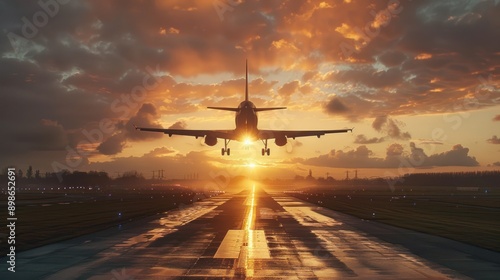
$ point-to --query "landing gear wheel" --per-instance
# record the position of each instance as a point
(265, 150)
(225, 150)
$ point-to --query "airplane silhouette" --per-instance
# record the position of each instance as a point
(246, 127)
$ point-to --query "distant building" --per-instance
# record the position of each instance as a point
(310, 177)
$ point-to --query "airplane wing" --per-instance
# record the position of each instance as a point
(223, 134)
(270, 134)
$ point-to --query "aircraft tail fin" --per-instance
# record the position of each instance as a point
(246, 93)
(246, 80)
(246, 98)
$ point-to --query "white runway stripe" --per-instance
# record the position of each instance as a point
(253, 242)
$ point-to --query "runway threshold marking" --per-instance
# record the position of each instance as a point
(252, 242)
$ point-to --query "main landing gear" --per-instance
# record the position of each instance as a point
(265, 150)
(226, 150)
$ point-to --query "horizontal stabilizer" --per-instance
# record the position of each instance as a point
(224, 109)
(269, 109)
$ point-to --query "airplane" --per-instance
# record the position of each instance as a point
(246, 128)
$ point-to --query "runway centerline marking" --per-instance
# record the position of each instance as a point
(247, 243)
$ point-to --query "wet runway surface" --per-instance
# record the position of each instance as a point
(254, 234)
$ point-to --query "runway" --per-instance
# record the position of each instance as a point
(254, 234)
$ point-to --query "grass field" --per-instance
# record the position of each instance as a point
(51, 217)
(470, 217)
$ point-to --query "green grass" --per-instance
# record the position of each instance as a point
(473, 218)
(39, 225)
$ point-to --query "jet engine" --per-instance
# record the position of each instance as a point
(210, 140)
(280, 140)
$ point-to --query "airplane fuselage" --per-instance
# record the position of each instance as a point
(246, 121)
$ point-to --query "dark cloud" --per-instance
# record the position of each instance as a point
(29, 86)
(362, 139)
(309, 75)
(432, 45)
(378, 122)
(47, 135)
(390, 126)
(457, 156)
(289, 88)
(418, 155)
(394, 149)
(306, 89)
(460, 26)
(496, 163)
(359, 158)
(113, 145)
(178, 125)
(335, 106)
(494, 140)
(362, 157)
(259, 86)
(353, 106)
(160, 152)
(147, 116)
(392, 58)
(395, 132)
(369, 77)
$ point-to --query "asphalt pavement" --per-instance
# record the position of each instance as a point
(255, 234)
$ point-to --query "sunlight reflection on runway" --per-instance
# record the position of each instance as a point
(246, 254)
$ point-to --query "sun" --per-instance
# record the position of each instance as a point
(251, 165)
(247, 141)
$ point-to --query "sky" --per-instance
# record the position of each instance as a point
(417, 80)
